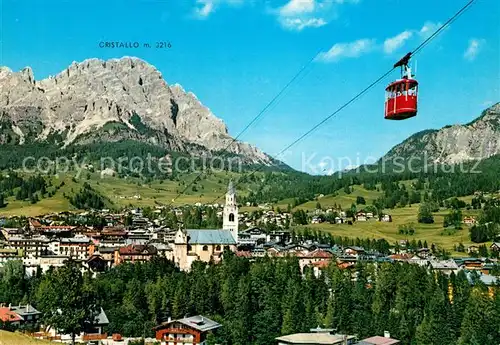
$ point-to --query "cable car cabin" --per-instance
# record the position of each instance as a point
(401, 99)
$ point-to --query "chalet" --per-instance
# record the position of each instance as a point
(369, 215)
(252, 237)
(339, 220)
(97, 263)
(188, 331)
(386, 218)
(354, 251)
(361, 217)
(495, 247)
(316, 220)
(424, 252)
(315, 256)
(90, 333)
(20, 315)
(472, 249)
(470, 263)
(469, 221)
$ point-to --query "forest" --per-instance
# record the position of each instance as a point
(258, 301)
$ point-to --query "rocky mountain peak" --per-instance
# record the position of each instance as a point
(87, 95)
(455, 144)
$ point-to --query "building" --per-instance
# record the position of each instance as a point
(495, 247)
(378, 340)
(20, 315)
(31, 247)
(316, 337)
(188, 331)
(76, 247)
(230, 213)
(208, 244)
(134, 253)
(469, 221)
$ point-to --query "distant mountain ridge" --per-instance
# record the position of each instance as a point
(113, 100)
(477, 140)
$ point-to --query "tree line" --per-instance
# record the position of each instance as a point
(259, 301)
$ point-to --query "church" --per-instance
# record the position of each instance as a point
(208, 244)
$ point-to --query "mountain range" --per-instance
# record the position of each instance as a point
(477, 140)
(127, 99)
(109, 101)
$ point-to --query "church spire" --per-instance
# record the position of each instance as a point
(230, 188)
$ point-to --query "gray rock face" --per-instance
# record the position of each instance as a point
(88, 95)
(477, 140)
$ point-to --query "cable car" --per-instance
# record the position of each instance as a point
(401, 96)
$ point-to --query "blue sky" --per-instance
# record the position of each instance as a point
(236, 55)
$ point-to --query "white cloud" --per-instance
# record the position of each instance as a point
(394, 43)
(295, 7)
(473, 48)
(428, 29)
(300, 24)
(300, 14)
(347, 50)
(205, 8)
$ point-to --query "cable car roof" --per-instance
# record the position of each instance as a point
(402, 81)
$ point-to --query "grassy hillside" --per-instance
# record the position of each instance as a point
(9, 338)
(342, 198)
(432, 233)
(126, 191)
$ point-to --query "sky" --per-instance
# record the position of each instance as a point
(237, 55)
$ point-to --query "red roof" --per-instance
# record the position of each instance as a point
(244, 254)
(7, 315)
(321, 264)
(35, 223)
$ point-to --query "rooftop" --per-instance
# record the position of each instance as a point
(197, 322)
(378, 340)
(197, 236)
(314, 338)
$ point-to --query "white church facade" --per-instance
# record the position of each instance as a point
(208, 244)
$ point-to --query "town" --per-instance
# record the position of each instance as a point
(132, 237)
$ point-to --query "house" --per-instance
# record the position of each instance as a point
(369, 215)
(316, 337)
(445, 266)
(316, 220)
(361, 217)
(134, 253)
(469, 221)
(378, 340)
(313, 257)
(472, 249)
(188, 331)
(495, 247)
(20, 315)
(386, 218)
(91, 332)
(354, 251)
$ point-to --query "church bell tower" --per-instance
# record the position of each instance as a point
(230, 213)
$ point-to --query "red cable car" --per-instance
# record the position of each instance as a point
(401, 95)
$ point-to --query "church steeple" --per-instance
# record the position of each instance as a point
(230, 214)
